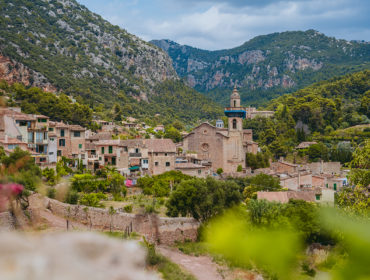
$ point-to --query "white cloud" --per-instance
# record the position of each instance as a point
(225, 26)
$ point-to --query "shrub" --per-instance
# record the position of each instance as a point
(72, 197)
(128, 208)
(93, 199)
(51, 192)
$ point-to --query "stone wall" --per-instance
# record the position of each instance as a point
(325, 167)
(154, 228)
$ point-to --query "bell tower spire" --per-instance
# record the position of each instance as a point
(235, 113)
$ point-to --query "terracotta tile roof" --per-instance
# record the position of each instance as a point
(108, 143)
(160, 145)
(41, 116)
(12, 141)
(284, 197)
(101, 136)
(188, 165)
(76, 127)
(61, 125)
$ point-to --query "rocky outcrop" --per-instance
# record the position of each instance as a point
(15, 72)
(275, 61)
(75, 48)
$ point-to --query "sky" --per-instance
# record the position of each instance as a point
(223, 24)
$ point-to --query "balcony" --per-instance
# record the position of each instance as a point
(135, 155)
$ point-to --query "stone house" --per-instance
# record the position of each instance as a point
(29, 129)
(284, 167)
(223, 147)
(112, 152)
(296, 181)
(193, 169)
(70, 139)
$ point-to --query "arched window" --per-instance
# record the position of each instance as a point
(234, 103)
(234, 123)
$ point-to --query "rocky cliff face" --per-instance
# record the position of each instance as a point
(75, 48)
(15, 72)
(279, 61)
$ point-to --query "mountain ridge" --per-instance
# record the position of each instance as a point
(62, 46)
(267, 65)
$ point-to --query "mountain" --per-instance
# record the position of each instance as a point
(267, 66)
(59, 45)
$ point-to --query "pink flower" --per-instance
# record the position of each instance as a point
(15, 188)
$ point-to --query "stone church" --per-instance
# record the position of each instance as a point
(223, 147)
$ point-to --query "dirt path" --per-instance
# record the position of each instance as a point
(201, 267)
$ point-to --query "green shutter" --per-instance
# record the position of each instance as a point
(317, 197)
(80, 146)
(335, 186)
(102, 150)
(110, 149)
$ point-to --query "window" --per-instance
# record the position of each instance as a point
(62, 133)
(76, 134)
(41, 120)
(145, 161)
(62, 142)
(156, 163)
(199, 171)
(52, 139)
(137, 150)
(168, 163)
(110, 149)
(51, 128)
(80, 146)
(39, 137)
(113, 160)
(102, 150)
(12, 146)
(59, 153)
(327, 185)
(317, 197)
(51, 153)
(234, 123)
(234, 103)
(125, 149)
(30, 137)
(165, 154)
(45, 136)
(335, 186)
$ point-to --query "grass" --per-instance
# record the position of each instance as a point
(171, 271)
(140, 203)
(122, 235)
(193, 248)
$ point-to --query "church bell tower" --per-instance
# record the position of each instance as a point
(235, 113)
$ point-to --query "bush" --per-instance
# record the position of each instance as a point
(93, 199)
(51, 193)
(149, 208)
(72, 197)
(128, 208)
(202, 198)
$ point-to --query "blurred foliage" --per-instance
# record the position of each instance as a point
(202, 198)
(277, 249)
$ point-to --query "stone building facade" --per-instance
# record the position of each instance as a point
(223, 147)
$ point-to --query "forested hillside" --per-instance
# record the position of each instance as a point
(267, 66)
(60, 45)
(317, 112)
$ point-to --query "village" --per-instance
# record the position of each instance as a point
(207, 150)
